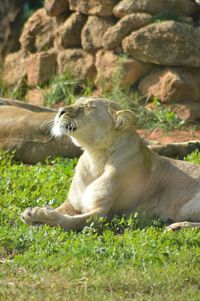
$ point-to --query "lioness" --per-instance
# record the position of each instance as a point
(117, 173)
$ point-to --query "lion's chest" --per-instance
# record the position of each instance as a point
(85, 176)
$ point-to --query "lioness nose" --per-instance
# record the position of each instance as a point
(61, 111)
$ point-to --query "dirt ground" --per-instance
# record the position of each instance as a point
(172, 136)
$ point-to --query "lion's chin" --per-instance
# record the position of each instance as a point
(58, 131)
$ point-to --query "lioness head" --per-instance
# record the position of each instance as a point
(92, 120)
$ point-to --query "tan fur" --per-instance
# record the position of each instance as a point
(117, 173)
(28, 134)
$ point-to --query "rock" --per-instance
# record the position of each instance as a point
(188, 112)
(56, 8)
(35, 97)
(112, 68)
(14, 68)
(115, 34)
(179, 85)
(179, 7)
(69, 34)
(166, 43)
(41, 67)
(11, 23)
(93, 7)
(38, 32)
(93, 32)
(177, 150)
(77, 62)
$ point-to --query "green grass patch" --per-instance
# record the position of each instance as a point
(131, 258)
(194, 157)
(66, 89)
(16, 92)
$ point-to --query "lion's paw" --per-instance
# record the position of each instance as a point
(35, 216)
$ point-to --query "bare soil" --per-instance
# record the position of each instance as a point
(170, 137)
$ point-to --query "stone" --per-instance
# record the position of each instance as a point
(173, 85)
(41, 67)
(166, 43)
(38, 32)
(179, 7)
(188, 112)
(14, 70)
(68, 34)
(93, 32)
(35, 97)
(56, 8)
(11, 23)
(77, 62)
(102, 8)
(115, 34)
(112, 68)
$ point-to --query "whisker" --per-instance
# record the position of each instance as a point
(45, 126)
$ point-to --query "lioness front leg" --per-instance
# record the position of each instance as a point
(41, 215)
(51, 217)
(96, 200)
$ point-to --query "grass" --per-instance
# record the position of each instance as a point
(16, 92)
(65, 89)
(130, 258)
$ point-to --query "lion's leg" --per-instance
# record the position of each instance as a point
(180, 225)
(51, 217)
(96, 200)
(67, 208)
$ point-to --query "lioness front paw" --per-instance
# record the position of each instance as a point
(30, 216)
(41, 215)
(36, 215)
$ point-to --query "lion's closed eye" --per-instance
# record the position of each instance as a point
(88, 108)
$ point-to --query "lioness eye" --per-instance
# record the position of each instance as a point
(89, 107)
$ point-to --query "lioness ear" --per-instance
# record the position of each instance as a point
(123, 119)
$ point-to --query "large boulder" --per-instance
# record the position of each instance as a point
(35, 97)
(11, 23)
(56, 8)
(14, 68)
(102, 8)
(115, 34)
(77, 62)
(68, 34)
(112, 68)
(180, 85)
(189, 112)
(38, 32)
(166, 43)
(94, 31)
(41, 67)
(179, 7)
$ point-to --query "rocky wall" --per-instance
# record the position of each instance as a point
(153, 45)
